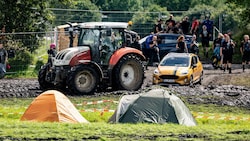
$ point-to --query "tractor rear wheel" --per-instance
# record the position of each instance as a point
(129, 73)
(83, 80)
(42, 76)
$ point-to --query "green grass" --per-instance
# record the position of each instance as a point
(12, 128)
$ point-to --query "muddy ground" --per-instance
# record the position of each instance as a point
(214, 89)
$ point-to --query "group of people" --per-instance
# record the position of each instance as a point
(223, 49)
(182, 27)
(223, 46)
(185, 27)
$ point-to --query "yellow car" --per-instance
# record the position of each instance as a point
(179, 68)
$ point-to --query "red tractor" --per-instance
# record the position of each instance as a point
(101, 60)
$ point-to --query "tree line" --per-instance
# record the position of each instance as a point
(36, 15)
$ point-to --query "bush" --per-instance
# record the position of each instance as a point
(21, 61)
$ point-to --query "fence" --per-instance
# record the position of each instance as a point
(142, 25)
(26, 50)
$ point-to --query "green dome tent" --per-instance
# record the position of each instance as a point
(155, 106)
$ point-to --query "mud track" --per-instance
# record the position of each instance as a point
(214, 90)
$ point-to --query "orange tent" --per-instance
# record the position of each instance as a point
(53, 106)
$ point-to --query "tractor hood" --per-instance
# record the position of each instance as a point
(64, 56)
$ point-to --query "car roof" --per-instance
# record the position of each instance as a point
(123, 25)
(172, 54)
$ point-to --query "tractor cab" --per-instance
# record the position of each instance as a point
(104, 38)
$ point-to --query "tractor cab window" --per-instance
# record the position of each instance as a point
(116, 38)
(89, 37)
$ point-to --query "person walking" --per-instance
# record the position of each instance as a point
(245, 51)
(205, 36)
(226, 51)
(170, 20)
(181, 46)
(158, 27)
(153, 50)
(195, 26)
(208, 23)
(3, 60)
(217, 58)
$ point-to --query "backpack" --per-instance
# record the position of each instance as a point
(247, 46)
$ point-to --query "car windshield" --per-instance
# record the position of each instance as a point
(175, 61)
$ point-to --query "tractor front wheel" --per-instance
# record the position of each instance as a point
(129, 73)
(83, 80)
(42, 77)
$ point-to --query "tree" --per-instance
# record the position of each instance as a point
(174, 5)
(144, 19)
(25, 16)
(75, 11)
(244, 12)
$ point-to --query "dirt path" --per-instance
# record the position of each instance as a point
(218, 87)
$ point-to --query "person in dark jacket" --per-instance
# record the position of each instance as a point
(245, 51)
(52, 53)
(181, 46)
(226, 50)
(205, 37)
(185, 24)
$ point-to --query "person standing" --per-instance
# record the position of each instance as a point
(195, 26)
(209, 24)
(170, 20)
(216, 58)
(227, 47)
(185, 25)
(3, 60)
(205, 36)
(181, 46)
(245, 51)
(154, 50)
(158, 27)
(194, 47)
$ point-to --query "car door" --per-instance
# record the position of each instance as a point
(199, 67)
(195, 68)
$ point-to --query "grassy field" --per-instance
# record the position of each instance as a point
(11, 128)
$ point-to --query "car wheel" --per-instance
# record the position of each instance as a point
(191, 82)
(201, 78)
